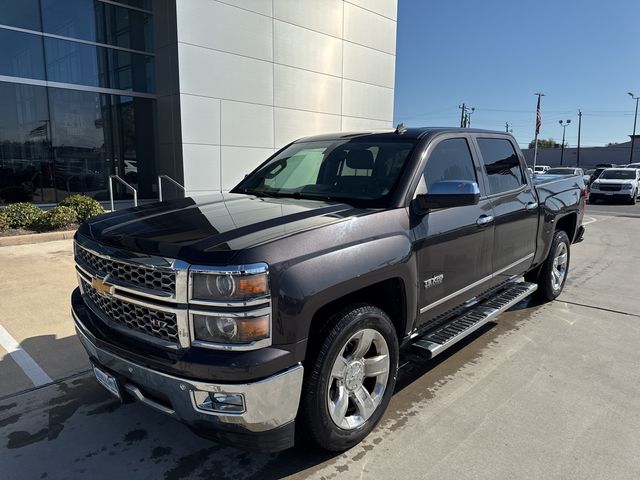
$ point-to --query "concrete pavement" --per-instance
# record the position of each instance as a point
(549, 391)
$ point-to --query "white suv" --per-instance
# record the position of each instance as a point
(616, 183)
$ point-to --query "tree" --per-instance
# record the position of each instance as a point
(542, 143)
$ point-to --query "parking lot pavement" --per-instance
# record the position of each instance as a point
(35, 285)
(549, 391)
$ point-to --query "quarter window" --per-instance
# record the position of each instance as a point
(449, 160)
(501, 164)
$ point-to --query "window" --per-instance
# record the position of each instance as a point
(449, 160)
(21, 55)
(79, 63)
(345, 170)
(21, 13)
(501, 164)
(98, 22)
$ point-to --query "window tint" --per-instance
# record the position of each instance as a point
(501, 164)
(449, 160)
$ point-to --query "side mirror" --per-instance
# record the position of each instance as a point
(447, 194)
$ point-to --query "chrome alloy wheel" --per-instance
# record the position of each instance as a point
(559, 268)
(358, 379)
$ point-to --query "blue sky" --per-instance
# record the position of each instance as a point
(493, 55)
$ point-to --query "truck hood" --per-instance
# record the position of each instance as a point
(609, 181)
(211, 228)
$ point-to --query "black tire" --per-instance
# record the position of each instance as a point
(634, 198)
(546, 289)
(314, 417)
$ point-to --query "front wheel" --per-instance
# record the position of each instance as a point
(350, 381)
(554, 270)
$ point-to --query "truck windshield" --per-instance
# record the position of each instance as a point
(618, 175)
(349, 170)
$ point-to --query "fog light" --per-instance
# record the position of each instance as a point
(219, 402)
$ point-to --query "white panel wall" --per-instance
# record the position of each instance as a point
(257, 74)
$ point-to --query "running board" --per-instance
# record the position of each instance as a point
(437, 341)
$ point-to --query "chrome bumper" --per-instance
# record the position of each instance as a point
(268, 404)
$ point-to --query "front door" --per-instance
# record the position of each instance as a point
(453, 245)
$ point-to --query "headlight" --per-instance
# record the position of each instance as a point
(233, 285)
(595, 186)
(230, 330)
(627, 186)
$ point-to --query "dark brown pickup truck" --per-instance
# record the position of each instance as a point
(286, 304)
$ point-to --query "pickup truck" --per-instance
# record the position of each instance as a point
(282, 308)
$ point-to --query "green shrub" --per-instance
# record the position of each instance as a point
(57, 217)
(84, 206)
(22, 215)
(4, 221)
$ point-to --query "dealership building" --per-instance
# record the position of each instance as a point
(199, 90)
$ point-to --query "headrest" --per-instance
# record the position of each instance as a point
(360, 159)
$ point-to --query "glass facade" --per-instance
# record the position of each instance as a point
(77, 90)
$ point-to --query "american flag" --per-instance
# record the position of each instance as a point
(40, 131)
(538, 117)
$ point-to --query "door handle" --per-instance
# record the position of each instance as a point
(532, 205)
(484, 220)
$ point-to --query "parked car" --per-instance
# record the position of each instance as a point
(288, 302)
(569, 171)
(616, 183)
(541, 168)
(632, 165)
(605, 165)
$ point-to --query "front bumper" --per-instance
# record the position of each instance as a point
(618, 194)
(270, 405)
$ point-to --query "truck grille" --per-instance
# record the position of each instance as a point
(611, 188)
(153, 322)
(135, 275)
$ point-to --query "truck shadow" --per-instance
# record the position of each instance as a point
(74, 429)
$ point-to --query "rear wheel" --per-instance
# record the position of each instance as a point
(350, 381)
(553, 272)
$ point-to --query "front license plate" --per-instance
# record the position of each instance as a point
(608, 193)
(107, 381)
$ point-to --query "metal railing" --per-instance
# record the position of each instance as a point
(167, 177)
(117, 177)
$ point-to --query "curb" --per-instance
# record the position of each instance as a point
(36, 238)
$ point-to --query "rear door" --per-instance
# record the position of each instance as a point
(453, 245)
(515, 206)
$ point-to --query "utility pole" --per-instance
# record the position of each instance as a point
(507, 127)
(465, 115)
(635, 118)
(564, 127)
(538, 125)
(579, 128)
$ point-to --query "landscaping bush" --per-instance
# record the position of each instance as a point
(4, 221)
(22, 215)
(84, 206)
(57, 217)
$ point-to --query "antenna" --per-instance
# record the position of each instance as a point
(400, 128)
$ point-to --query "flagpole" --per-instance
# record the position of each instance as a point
(538, 122)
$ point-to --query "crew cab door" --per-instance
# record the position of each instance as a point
(515, 206)
(453, 245)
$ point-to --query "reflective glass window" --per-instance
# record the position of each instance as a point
(449, 160)
(81, 161)
(98, 22)
(26, 166)
(21, 55)
(20, 13)
(501, 164)
(82, 64)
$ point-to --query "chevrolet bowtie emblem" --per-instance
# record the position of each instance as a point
(102, 287)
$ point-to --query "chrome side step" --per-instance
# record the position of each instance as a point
(439, 340)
